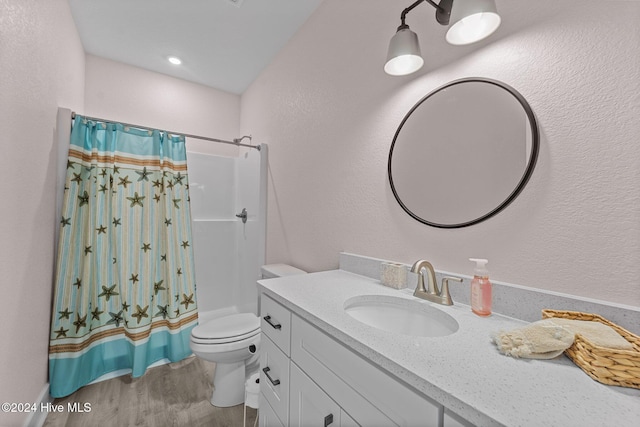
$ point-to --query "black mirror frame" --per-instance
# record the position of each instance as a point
(535, 147)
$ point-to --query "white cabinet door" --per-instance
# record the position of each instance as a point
(274, 377)
(267, 415)
(370, 395)
(309, 405)
(347, 421)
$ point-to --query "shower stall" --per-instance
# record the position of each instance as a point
(228, 211)
(228, 251)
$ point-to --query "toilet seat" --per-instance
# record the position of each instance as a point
(220, 341)
(227, 329)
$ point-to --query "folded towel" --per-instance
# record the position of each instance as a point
(548, 338)
(596, 333)
(538, 340)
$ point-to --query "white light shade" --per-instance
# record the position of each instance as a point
(472, 21)
(174, 60)
(404, 53)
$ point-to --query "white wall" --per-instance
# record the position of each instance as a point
(41, 68)
(120, 92)
(329, 113)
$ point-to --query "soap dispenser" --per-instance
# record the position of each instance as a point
(480, 288)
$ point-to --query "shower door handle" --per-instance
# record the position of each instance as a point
(243, 215)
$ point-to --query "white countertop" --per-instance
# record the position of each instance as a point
(463, 371)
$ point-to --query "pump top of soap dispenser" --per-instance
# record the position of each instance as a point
(481, 267)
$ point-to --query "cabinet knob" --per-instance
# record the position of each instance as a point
(328, 420)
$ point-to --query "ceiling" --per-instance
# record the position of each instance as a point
(223, 44)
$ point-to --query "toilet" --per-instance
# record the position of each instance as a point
(232, 342)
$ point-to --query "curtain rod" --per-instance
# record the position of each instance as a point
(235, 142)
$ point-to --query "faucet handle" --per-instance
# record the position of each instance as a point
(444, 293)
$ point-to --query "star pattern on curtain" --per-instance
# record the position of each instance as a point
(121, 258)
(82, 175)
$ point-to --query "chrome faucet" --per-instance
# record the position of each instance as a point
(431, 292)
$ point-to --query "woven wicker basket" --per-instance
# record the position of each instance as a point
(606, 365)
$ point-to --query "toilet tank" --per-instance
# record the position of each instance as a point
(270, 271)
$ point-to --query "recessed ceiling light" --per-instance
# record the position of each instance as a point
(236, 3)
(174, 60)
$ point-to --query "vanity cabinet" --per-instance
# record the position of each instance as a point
(310, 406)
(309, 379)
(275, 342)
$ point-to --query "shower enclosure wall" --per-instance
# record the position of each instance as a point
(228, 252)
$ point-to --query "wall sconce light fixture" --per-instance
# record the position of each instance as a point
(471, 21)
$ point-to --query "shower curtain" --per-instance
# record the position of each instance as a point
(124, 293)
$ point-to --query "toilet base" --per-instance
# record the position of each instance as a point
(234, 357)
(228, 384)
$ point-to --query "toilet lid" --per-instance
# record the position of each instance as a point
(227, 326)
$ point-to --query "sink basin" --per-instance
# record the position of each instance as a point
(400, 315)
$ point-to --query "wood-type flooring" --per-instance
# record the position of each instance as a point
(172, 395)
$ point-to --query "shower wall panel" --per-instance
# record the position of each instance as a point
(228, 252)
(251, 168)
(212, 185)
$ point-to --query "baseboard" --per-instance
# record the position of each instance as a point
(37, 418)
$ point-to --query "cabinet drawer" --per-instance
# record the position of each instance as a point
(369, 395)
(276, 323)
(310, 406)
(267, 415)
(274, 378)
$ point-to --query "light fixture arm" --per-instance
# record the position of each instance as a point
(443, 11)
(403, 15)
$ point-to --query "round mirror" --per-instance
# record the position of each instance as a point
(463, 153)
